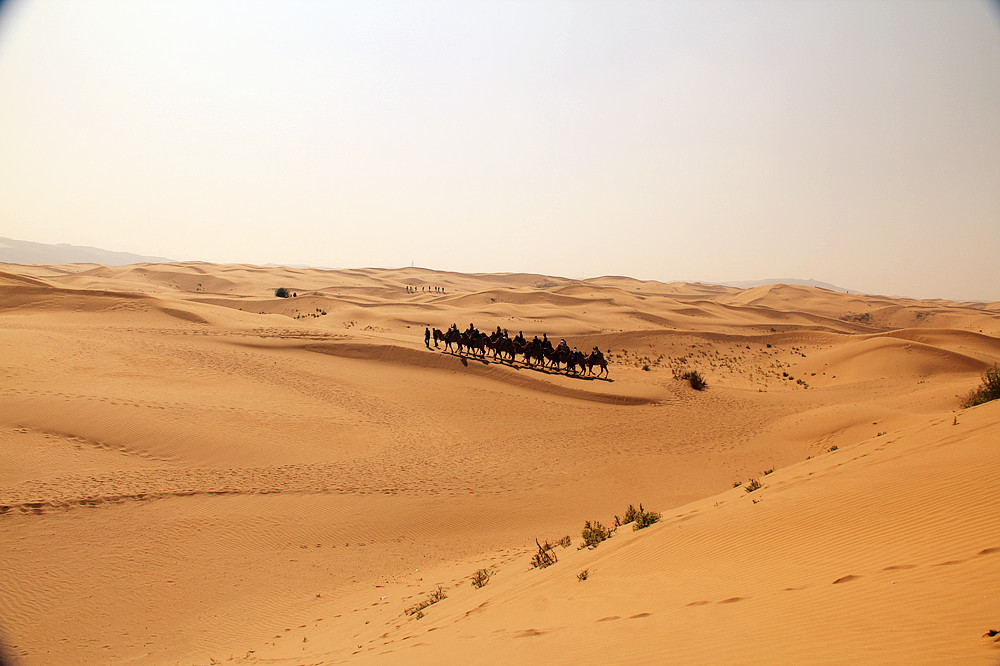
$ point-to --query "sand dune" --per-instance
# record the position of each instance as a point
(192, 469)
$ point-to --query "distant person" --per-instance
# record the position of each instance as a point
(427, 337)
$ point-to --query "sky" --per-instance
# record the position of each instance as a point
(852, 142)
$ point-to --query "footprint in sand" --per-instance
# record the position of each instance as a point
(988, 551)
(609, 618)
(731, 600)
(638, 615)
(699, 603)
(896, 567)
(845, 579)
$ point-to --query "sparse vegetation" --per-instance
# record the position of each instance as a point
(768, 471)
(565, 542)
(753, 485)
(594, 534)
(988, 390)
(737, 484)
(545, 557)
(481, 577)
(697, 382)
(281, 292)
(833, 448)
(417, 610)
(640, 518)
(582, 576)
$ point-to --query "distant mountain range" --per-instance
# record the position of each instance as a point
(749, 284)
(25, 252)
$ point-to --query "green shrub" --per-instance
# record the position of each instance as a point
(639, 517)
(752, 486)
(281, 292)
(594, 534)
(644, 519)
(988, 390)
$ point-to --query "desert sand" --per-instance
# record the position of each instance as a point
(195, 471)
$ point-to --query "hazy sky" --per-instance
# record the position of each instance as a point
(854, 142)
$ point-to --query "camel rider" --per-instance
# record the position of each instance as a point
(499, 334)
(562, 345)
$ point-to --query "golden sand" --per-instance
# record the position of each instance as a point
(193, 470)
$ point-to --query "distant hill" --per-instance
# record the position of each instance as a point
(748, 284)
(25, 252)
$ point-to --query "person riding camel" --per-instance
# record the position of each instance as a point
(562, 346)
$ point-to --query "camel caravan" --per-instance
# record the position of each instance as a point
(537, 352)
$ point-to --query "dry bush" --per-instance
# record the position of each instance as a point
(481, 577)
(753, 485)
(418, 609)
(545, 557)
(694, 377)
(988, 390)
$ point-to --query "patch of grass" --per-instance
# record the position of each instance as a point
(752, 486)
(988, 390)
(417, 610)
(481, 577)
(582, 576)
(545, 557)
(594, 534)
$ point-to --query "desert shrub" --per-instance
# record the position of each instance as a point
(768, 471)
(583, 575)
(545, 557)
(639, 517)
(988, 390)
(594, 534)
(646, 367)
(418, 609)
(481, 577)
(698, 382)
(644, 519)
(752, 486)
(834, 448)
(565, 542)
(281, 292)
